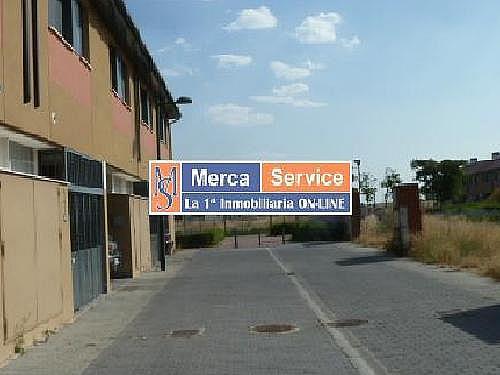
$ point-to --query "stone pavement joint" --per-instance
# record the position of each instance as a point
(361, 359)
(75, 346)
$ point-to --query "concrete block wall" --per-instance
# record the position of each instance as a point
(36, 289)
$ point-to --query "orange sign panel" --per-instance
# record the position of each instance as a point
(165, 189)
(306, 177)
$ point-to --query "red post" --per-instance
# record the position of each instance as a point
(407, 215)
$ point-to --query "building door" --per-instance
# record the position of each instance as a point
(86, 209)
(87, 246)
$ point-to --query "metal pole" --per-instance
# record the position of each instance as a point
(283, 231)
(163, 245)
(359, 177)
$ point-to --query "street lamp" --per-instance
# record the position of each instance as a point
(184, 100)
(164, 250)
(358, 163)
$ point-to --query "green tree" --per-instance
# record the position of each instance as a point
(368, 187)
(441, 181)
(390, 180)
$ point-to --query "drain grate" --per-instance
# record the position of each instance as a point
(274, 328)
(345, 323)
(186, 333)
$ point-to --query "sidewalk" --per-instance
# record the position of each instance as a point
(71, 350)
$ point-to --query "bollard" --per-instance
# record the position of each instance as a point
(235, 241)
(259, 239)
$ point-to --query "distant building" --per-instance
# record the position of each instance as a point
(482, 177)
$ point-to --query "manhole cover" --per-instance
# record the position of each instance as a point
(345, 323)
(186, 333)
(274, 328)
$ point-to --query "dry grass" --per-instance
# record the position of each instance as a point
(456, 241)
(377, 231)
(453, 241)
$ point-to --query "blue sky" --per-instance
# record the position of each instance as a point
(385, 81)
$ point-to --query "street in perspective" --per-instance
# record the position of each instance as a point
(223, 187)
(291, 309)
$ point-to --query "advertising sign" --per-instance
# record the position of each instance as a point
(249, 188)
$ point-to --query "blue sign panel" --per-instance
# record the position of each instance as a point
(220, 177)
(266, 202)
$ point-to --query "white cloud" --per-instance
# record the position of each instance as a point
(314, 66)
(232, 61)
(177, 71)
(290, 95)
(290, 73)
(319, 29)
(291, 90)
(252, 19)
(180, 41)
(299, 103)
(351, 43)
(236, 115)
(306, 103)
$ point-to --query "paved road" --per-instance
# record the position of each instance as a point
(417, 319)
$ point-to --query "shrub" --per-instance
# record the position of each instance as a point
(209, 238)
(320, 231)
(495, 196)
(279, 229)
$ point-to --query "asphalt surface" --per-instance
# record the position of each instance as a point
(412, 319)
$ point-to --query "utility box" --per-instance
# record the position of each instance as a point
(407, 216)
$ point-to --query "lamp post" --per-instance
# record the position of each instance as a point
(164, 224)
(358, 163)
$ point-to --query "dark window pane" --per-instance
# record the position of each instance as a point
(26, 52)
(160, 124)
(145, 110)
(124, 82)
(77, 23)
(56, 14)
(21, 158)
(112, 62)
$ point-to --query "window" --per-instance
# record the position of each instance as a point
(26, 52)
(119, 76)
(21, 158)
(70, 19)
(146, 108)
(56, 14)
(77, 24)
(163, 127)
(35, 57)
